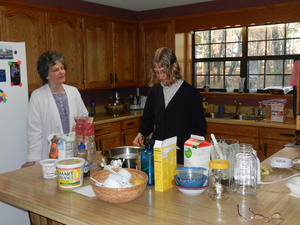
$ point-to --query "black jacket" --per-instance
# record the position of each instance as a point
(182, 117)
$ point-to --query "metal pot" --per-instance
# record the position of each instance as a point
(130, 156)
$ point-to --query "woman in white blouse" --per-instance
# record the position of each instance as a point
(52, 107)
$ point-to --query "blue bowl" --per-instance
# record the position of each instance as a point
(191, 176)
(194, 182)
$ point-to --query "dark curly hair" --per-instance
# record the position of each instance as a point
(45, 61)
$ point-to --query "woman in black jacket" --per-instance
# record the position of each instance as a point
(173, 107)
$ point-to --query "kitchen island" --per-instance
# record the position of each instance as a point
(25, 188)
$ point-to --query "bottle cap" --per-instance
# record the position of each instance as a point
(81, 146)
(219, 164)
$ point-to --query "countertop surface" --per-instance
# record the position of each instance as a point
(25, 188)
(102, 118)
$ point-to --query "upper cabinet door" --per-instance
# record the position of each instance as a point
(153, 36)
(98, 53)
(65, 36)
(124, 54)
(26, 25)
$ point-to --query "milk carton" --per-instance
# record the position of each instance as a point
(197, 152)
(165, 163)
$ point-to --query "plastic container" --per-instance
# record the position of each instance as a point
(49, 169)
(218, 181)
(69, 173)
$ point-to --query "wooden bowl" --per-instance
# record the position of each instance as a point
(119, 195)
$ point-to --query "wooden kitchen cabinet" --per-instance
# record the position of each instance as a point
(153, 35)
(114, 134)
(124, 54)
(244, 134)
(97, 53)
(130, 129)
(274, 139)
(26, 25)
(64, 35)
(110, 53)
(107, 135)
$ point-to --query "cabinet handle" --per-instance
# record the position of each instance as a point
(98, 130)
(287, 135)
(130, 123)
(100, 145)
(265, 149)
(116, 78)
(111, 78)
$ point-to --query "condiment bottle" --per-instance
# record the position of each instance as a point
(218, 181)
(245, 170)
(82, 153)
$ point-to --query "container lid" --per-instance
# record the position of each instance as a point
(219, 164)
(281, 162)
(81, 146)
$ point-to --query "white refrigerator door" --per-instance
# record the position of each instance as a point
(13, 116)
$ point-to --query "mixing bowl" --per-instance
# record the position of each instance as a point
(130, 156)
(191, 177)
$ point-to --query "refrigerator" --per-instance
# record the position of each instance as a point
(13, 119)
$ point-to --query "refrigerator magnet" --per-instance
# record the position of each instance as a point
(6, 52)
(15, 73)
(2, 96)
(2, 76)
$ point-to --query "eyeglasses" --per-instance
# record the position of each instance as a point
(160, 72)
(275, 218)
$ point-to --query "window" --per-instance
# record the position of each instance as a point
(258, 56)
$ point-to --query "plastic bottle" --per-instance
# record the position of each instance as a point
(147, 163)
(82, 153)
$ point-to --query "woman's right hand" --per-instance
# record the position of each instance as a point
(138, 140)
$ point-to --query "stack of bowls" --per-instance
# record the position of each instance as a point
(191, 180)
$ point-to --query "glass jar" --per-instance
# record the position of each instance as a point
(218, 181)
(245, 170)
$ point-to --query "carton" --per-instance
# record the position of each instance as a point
(165, 163)
(197, 152)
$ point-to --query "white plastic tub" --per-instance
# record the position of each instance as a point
(70, 173)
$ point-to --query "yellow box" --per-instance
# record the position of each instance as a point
(165, 162)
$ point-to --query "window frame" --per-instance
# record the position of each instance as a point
(244, 59)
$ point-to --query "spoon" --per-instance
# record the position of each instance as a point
(96, 182)
(218, 149)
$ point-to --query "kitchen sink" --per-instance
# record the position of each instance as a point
(232, 116)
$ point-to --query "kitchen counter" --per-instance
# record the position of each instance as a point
(289, 124)
(25, 188)
(102, 118)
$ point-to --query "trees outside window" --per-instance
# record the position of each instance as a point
(262, 55)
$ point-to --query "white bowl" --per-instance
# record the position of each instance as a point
(191, 191)
(294, 185)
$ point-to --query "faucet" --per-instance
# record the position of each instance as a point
(237, 109)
